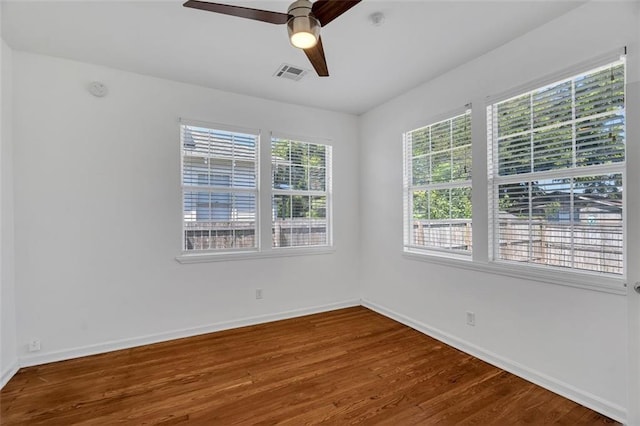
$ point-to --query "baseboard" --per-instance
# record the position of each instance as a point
(44, 358)
(9, 373)
(566, 390)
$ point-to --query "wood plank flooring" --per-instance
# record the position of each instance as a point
(350, 366)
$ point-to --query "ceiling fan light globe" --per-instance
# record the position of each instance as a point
(303, 40)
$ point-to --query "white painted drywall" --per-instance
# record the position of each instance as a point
(633, 176)
(98, 212)
(575, 337)
(8, 350)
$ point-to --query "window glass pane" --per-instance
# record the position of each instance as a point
(441, 166)
(552, 105)
(514, 116)
(600, 91)
(439, 204)
(461, 131)
(421, 171)
(299, 177)
(215, 217)
(420, 142)
(281, 176)
(317, 155)
(317, 178)
(318, 221)
(513, 221)
(300, 215)
(219, 220)
(598, 241)
(461, 167)
(514, 155)
(441, 136)
(299, 153)
(461, 218)
(600, 140)
(461, 203)
(552, 148)
(566, 213)
(439, 212)
(299, 220)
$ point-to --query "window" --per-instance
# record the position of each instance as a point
(301, 178)
(219, 189)
(437, 186)
(556, 171)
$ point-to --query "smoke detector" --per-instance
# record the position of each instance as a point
(98, 89)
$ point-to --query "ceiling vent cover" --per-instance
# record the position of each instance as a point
(290, 72)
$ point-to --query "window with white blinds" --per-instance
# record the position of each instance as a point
(219, 188)
(437, 186)
(556, 171)
(301, 185)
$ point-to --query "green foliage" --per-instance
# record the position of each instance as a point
(436, 204)
(552, 209)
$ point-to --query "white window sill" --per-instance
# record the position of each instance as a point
(253, 254)
(585, 280)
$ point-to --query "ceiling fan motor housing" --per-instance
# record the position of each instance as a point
(302, 21)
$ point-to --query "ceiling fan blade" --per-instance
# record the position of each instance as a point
(326, 11)
(317, 59)
(242, 12)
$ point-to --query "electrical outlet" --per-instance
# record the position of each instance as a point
(258, 293)
(471, 318)
(34, 345)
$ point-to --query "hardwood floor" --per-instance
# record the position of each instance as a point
(350, 366)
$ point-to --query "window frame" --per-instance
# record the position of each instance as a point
(220, 190)
(264, 193)
(327, 193)
(408, 188)
(481, 260)
(602, 281)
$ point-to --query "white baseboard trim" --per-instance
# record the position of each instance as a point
(44, 358)
(568, 391)
(9, 373)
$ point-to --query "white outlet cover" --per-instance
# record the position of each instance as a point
(471, 318)
(34, 345)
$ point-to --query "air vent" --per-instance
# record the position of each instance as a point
(290, 72)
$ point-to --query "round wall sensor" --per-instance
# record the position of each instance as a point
(98, 89)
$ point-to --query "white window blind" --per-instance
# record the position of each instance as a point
(437, 186)
(301, 178)
(219, 188)
(556, 171)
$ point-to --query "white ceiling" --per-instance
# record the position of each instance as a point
(418, 41)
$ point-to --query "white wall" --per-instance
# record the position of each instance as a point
(633, 128)
(570, 339)
(98, 213)
(8, 352)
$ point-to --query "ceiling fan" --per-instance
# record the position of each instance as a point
(303, 20)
